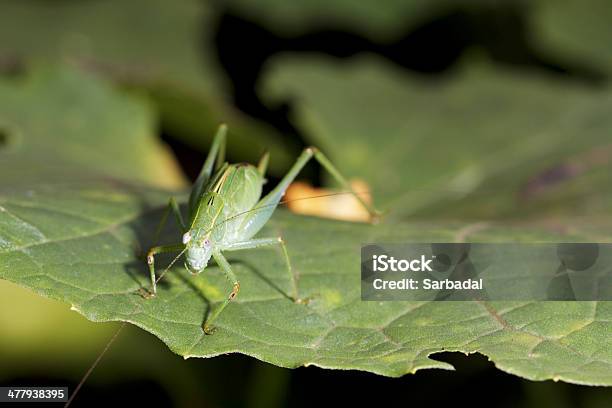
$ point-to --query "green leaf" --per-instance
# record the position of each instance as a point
(372, 18)
(577, 30)
(476, 143)
(80, 241)
(62, 125)
(137, 39)
(163, 48)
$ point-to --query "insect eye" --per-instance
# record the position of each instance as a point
(206, 242)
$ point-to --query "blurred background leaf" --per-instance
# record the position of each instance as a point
(62, 125)
(162, 48)
(576, 30)
(374, 19)
(479, 142)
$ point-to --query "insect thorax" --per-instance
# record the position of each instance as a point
(226, 201)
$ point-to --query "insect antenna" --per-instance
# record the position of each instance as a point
(94, 365)
(161, 275)
(110, 342)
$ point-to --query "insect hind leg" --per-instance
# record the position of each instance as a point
(262, 166)
(264, 209)
(265, 242)
(214, 160)
(331, 169)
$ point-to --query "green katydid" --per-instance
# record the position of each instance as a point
(225, 212)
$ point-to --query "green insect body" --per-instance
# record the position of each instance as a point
(229, 198)
(226, 211)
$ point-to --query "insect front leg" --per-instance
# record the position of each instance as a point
(229, 274)
(172, 206)
(151, 262)
(264, 242)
